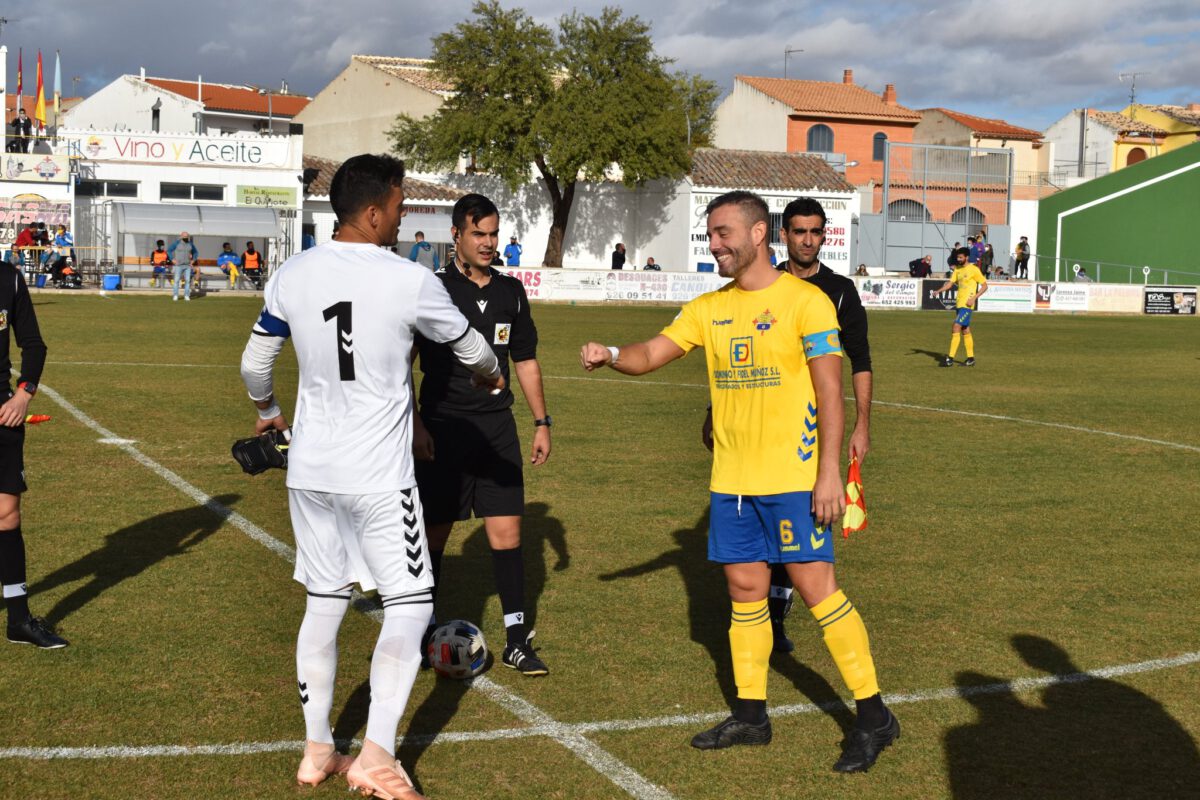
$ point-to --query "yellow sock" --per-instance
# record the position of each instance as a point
(846, 638)
(954, 338)
(969, 341)
(750, 643)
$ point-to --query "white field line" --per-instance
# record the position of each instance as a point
(592, 754)
(578, 730)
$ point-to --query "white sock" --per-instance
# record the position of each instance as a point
(316, 661)
(395, 664)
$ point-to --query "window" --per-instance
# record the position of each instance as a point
(907, 211)
(880, 146)
(969, 216)
(85, 188)
(820, 139)
(188, 191)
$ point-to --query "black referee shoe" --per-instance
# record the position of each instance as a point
(34, 631)
(733, 731)
(862, 748)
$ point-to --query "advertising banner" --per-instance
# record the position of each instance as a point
(1007, 297)
(1060, 296)
(267, 197)
(36, 168)
(179, 148)
(1169, 300)
(17, 212)
(1115, 298)
(889, 292)
(931, 300)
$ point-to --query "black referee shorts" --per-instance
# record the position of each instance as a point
(476, 468)
(12, 460)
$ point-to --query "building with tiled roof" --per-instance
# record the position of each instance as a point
(844, 122)
(355, 110)
(757, 170)
(1030, 156)
(1090, 142)
(167, 105)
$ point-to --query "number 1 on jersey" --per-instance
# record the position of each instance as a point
(345, 335)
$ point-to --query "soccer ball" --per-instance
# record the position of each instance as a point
(457, 650)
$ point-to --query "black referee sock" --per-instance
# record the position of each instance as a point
(12, 574)
(435, 561)
(509, 568)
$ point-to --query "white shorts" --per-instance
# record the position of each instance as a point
(374, 540)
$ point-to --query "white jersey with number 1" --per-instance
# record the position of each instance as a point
(350, 310)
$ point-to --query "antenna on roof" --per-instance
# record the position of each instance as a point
(787, 51)
(6, 21)
(1132, 76)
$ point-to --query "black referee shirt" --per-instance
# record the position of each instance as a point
(17, 320)
(499, 311)
(851, 316)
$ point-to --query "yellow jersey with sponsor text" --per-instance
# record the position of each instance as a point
(968, 279)
(757, 346)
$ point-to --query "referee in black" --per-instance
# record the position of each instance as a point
(18, 321)
(468, 454)
(803, 232)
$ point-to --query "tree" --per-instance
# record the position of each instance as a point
(586, 103)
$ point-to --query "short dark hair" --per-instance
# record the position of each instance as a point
(420, 234)
(803, 207)
(753, 206)
(362, 181)
(963, 251)
(473, 207)
(226, 244)
(160, 243)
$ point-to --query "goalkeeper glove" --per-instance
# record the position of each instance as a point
(260, 453)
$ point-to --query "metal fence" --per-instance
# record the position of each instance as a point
(1048, 268)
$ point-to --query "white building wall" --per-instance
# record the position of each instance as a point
(749, 120)
(125, 105)
(1023, 220)
(1098, 148)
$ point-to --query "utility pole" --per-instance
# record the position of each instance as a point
(1132, 76)
(787, 51)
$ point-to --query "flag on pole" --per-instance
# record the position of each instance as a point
(39, 107)
(855, 519)
(57, 86)
(20, 72)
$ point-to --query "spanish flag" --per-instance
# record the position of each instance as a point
(39, 108)
(855, 519)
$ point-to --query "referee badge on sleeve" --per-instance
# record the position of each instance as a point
(502, 331)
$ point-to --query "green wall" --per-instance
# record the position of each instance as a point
(1156, 223)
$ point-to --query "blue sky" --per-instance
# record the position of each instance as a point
(1026, 61)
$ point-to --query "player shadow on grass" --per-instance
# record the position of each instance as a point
(467, 584)
(133, 550)
(708, 615)
(1090, 737)
(935, 356)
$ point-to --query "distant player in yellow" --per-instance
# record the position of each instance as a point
(971, 285)
(774, 361)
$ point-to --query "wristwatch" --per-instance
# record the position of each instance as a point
(538, 423)
(28, 386)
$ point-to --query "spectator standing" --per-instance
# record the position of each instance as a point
(862, 270)
(229, 261)
(1021, 264)
(183, 255)
(252, 265)
(26, 240)
(618, 256)
(423, 253)
(512, 252)
(976, 249)
(43, 241)
(952, 259)
(22, 127)
(987, 259)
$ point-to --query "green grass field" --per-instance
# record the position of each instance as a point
(1013, 541)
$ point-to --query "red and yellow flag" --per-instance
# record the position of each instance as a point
(39, 108)
(20, 73)
(855, 519)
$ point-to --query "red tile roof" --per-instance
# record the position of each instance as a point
(1189, 115)
(414, 190)
(1121, 123)
(989, 128)
(826, 99)
(224, 97)
(417, 71)
(759, 169)
(28, 101)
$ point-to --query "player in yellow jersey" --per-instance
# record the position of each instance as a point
(774, 361)
(971, 285)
